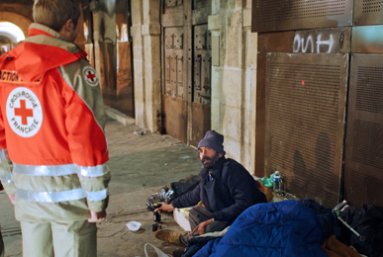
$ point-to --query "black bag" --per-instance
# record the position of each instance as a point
(368, 222)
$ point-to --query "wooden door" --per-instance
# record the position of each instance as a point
(174, 70)
(201, 118)
(186, 69)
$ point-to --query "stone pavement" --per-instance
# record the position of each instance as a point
(140, 166)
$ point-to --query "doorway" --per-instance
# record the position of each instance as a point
(186, 69)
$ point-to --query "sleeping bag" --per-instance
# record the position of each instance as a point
(282, 229)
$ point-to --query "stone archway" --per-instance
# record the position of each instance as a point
(18, 12)
(19, 20)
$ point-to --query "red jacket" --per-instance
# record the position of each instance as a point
(52, 123)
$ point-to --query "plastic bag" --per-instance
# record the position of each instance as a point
(158, 251)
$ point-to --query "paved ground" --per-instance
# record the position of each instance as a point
(140, 166)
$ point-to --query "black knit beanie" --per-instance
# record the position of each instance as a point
(213, 140)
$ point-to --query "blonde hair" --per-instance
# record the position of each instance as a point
(54, 13)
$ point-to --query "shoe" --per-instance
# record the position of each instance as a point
(169, 235)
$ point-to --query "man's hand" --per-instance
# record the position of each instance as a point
(165, 207)
(97, 217)
(12, 199)
(201, 227)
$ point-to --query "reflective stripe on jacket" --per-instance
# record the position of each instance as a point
(52, 122)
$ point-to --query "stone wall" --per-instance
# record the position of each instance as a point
(146, 33)
(234, 80)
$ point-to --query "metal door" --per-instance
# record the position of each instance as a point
(186, 69)
(267, 42)
(368, 12)
(283, 15)
(363, 175)
(305, 118)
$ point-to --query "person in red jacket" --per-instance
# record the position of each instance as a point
(53, 150)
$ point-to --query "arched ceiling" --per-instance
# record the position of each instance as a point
(18, 12)
(11, 31)
(27, 3)
(21, 7)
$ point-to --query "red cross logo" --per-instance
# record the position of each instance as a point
(91, 76)
(23, 112)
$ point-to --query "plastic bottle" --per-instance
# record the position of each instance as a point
(277, 182)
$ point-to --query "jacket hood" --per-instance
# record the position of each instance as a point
(43, 50)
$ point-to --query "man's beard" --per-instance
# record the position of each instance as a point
(211, 161)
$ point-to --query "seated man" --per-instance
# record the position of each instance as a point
(226, 189)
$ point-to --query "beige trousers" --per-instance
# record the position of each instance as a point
(72, 239)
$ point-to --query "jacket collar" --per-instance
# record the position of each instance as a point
(39, 29)
(41, 34)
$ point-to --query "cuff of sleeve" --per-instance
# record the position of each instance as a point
(175, 204)
(10, 188)
(98, 206)
(95, 184)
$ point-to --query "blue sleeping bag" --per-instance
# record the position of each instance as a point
(283, 229)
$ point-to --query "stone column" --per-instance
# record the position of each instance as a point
(233, 80)
(146, 33)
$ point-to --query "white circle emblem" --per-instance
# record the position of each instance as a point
(24, 112)
(90, 75)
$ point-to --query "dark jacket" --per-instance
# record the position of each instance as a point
(231, 191)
